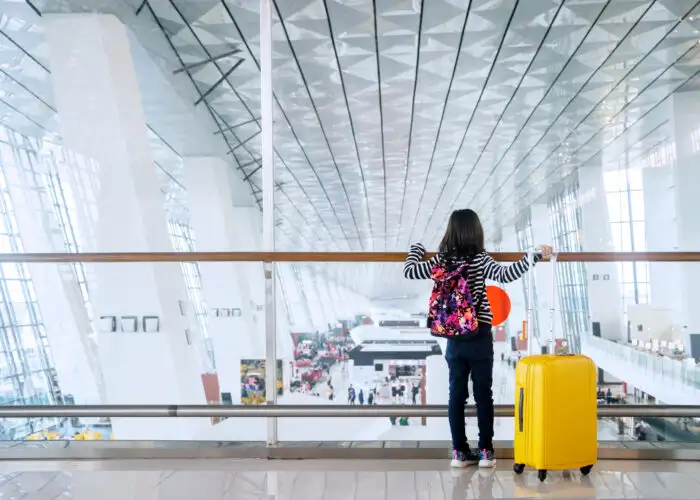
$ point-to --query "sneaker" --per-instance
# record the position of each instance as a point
(487, 458)
(461, 459)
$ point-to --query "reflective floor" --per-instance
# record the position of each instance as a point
(336, 480)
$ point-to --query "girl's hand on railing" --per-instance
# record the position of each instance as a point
(545, 251)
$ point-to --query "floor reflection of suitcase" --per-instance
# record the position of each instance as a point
(556, 424)
(568, 486)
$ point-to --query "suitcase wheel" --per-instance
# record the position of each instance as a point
(518, 468)
(542, 475)
(586, 470)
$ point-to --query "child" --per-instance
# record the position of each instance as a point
(463, 243)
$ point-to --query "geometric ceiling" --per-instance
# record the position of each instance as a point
(391, 113)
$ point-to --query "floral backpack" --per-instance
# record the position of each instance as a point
(451, 312)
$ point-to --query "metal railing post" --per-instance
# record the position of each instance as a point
(268, 187)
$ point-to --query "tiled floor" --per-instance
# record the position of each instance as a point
(334, 480)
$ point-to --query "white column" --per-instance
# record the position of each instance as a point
(318, 315)
(249, 225)
(101, 116)
(301, 314)
(338, 306)
(65, 317)
(232, 327)
(343, 306)
(329, 302)
(353, 299)
(285, 347)
(604, 292)
(686, 122)
(326, 305)
(661, 236)
(328, 286)
(346, 297)
(362, 303)
(355, 302)
(542, 235)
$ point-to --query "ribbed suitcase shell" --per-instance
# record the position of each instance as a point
(556, 421)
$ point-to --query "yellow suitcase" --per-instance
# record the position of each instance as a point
(556, 408)
(556, 421)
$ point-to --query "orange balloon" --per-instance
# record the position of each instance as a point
(500, 304)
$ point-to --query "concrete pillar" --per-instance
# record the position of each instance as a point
(343, 307)
(686, 179)
(328, 284)
(300, 312)
(339, 307)
(232, 326)
(604, 292)
(344, 298)
(327, 299)
(661, 236)
(358, 304)
(101, 116)
(318, 281)
(249, 225)
(318, 313)
(362, 302)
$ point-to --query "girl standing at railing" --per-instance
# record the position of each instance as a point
(460, 312)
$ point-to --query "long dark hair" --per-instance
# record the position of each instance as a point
(464, 236)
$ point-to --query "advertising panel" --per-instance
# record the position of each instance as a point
(253, 390)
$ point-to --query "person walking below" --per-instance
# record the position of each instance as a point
(361, 397)
(462, 264)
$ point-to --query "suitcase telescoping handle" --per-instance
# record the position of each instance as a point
(530, 287)
(553, 302)
(528, 298)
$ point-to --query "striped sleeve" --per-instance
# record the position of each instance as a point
(415, 267)
(505, 273)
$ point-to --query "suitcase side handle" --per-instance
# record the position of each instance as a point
(521, 403)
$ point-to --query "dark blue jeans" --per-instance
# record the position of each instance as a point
(464, 358)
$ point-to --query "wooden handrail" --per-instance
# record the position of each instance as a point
(324, 257)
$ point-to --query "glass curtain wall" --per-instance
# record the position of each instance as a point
(565, 224)
(64, 207)
(625, 200)
(27, 371)
(183, 241)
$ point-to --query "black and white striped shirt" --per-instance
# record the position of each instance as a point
(481, 268)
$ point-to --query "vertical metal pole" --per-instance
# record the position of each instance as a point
(553, 305)
(268, 187)
(530, 302)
